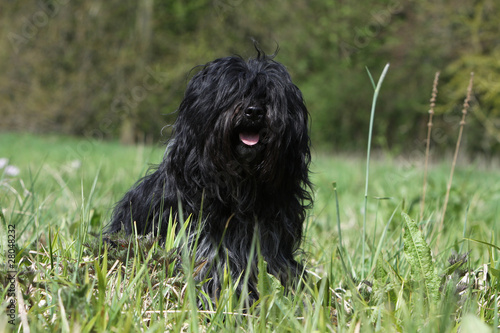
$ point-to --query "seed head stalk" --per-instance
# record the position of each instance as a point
(459, 139)
(428, 142)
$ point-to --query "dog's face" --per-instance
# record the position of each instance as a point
(248, 116)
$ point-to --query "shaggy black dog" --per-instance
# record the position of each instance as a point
(239, 156)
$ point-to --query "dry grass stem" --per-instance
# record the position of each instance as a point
(459, 139)
(428, 142)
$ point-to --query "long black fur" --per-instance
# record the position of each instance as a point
(247, 189)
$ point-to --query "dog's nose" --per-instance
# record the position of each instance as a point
(254, 113)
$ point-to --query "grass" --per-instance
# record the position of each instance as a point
(66, 281)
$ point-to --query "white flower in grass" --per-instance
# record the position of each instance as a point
(75, 164)
(11, 170)
(3, 162)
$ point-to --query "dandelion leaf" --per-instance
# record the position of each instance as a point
(418, 254)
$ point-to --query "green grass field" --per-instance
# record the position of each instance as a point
(406, 277)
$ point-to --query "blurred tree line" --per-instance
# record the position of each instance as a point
(118, 68)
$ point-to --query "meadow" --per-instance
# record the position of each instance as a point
(407, 275)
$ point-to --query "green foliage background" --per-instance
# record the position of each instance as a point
(118, 68)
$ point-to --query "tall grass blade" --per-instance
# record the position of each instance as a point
(372, 116)
(382, 240)
(191, 309)
(483, 242)
(465, 226)
(334, 184)
(371, 78)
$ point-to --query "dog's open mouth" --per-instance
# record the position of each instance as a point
(249, 138)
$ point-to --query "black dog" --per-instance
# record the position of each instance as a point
(239, 155)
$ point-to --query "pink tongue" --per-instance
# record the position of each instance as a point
(249, 139)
